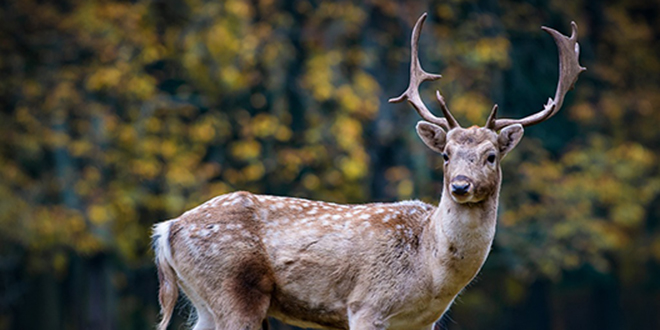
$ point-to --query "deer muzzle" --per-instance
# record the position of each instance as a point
(461, 187)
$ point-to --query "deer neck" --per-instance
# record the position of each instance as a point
(462, 235)
(468, 226)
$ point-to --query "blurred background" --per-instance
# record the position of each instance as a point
(115, 115)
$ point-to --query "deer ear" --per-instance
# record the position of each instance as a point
(433, 136)
(509, 138)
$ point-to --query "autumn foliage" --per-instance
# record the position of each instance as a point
(119, 114)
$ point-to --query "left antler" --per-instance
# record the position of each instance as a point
(569, 70)
(417, 76)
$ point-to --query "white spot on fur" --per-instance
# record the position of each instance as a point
(365, 216)
(233, 226)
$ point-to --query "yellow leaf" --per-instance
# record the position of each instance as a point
(311, 182)
(283, 133)
(352, 168)
(98, 214)
(246, 150)
(405, 188)
(254, 172)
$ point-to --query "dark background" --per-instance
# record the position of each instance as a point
(115, 115)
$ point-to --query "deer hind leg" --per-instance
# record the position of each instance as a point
(245, 298)
(204, 320)
(225, 263)
(238, 299)
(204, 317)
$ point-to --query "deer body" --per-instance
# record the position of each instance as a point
(393, 260)
(316, 264)
(242, 257)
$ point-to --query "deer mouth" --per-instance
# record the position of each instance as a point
(462, 189)
(462, 199)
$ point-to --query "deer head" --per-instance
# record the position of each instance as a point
(472, 155)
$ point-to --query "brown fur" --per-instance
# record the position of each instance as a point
(242, 257)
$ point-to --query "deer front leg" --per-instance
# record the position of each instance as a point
(362, 317)
(365, 323)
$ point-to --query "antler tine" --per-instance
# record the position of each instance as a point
(569, 70)
(451, 121)
(417, 76)
(490, 123)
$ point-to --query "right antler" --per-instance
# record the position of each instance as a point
(569, 70)
(417, 76)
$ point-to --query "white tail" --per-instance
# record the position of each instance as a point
(169, 291)
(242, 257)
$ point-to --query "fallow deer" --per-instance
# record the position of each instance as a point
(241, 257)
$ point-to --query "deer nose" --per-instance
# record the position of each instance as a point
(460, 188)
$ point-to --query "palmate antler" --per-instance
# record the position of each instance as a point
(569, 70)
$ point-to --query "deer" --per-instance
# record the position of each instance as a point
(240, 257)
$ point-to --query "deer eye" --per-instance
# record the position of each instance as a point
(491, 158)
(445, 157)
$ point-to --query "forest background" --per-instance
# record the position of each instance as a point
(115, 115)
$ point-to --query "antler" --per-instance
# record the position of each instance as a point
(569, 70)
(417, 76)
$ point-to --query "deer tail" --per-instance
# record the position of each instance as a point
(167, 279)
